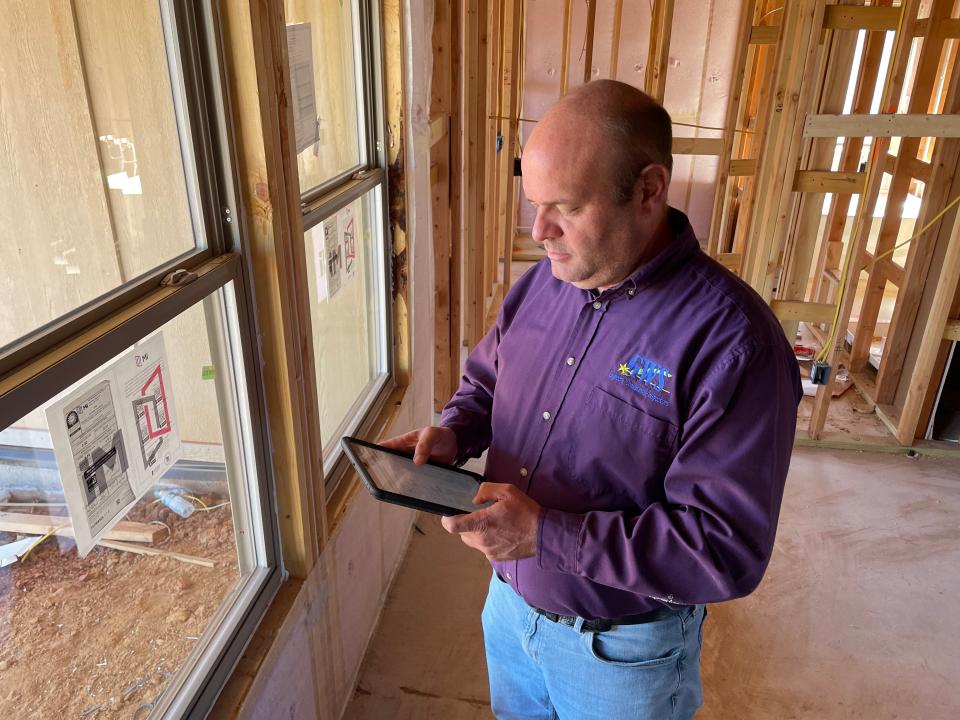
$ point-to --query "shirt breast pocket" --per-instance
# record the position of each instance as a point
(620, 450)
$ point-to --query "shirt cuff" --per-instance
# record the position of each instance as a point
(558, 541)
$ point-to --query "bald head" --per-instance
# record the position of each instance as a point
(626, 125)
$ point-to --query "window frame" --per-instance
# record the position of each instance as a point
(54, 356)
(324, 200)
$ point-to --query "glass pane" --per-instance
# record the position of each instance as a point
(348, 308)
(112, 629)
(93, 188)
(322, 42)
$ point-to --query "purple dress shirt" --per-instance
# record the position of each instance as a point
(653, 423)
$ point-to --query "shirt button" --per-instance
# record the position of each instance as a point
(546, 416)
(597, 305)
(523, 472)
(509, 576)
(571, 360)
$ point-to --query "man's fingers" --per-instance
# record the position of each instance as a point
(422, 452)
(428, 438)
(473, 522)
(491, 491)
(405, 442)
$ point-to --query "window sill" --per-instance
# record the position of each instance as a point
(343, 493)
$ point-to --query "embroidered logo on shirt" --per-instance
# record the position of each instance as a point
(646, 377)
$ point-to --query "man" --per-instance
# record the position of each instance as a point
(639, 404)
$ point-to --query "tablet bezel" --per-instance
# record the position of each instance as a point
(395, 498)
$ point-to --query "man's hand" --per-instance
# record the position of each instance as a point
(507, 530)
(429, 443)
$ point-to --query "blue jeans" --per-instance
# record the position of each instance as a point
(542, 669)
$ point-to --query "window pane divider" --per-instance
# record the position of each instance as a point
(57, 368)
(49, 335)
(342, 196)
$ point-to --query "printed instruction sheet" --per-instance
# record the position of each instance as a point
(300, 56)
(114, 436)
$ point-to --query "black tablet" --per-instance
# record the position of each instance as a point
(391, 476)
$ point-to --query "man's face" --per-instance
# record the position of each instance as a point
(591, 241)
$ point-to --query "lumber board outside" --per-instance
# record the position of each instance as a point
(29, 524)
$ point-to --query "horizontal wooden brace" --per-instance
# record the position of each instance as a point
(806, 311)
(853, 17)
(764, 34)
(946, 28)
(731, 261)
(697, 146)
(741, 168)
(823, 181)
(848, 17)
(894, 125)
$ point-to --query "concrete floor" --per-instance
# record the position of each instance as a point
(855, 619)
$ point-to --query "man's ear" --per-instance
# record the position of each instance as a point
(653, 184)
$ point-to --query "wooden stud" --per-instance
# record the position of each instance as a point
(443, 103)
(658, 54)
(937, 194)
(729, 167)
(931, 336)
(515, 94)
(255, 40)
(473, 140)
(499, 49)
(781, 144)
(565, 48)
(588, 48)
(615, 38)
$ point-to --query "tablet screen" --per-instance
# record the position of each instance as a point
(397, 474)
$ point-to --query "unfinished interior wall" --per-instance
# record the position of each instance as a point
(838, 192)
(698, 80)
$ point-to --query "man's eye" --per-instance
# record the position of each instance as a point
(567, 211)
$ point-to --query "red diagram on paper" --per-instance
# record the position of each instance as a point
(157, 414)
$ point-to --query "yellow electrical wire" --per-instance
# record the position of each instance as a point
(31, 548)
(194, 497)
(862, 209)
(917, 234)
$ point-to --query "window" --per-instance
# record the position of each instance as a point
(121, 396)
(95, 193)
(343, 184)
(325, 71)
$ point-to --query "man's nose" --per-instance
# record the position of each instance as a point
(544, 228)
